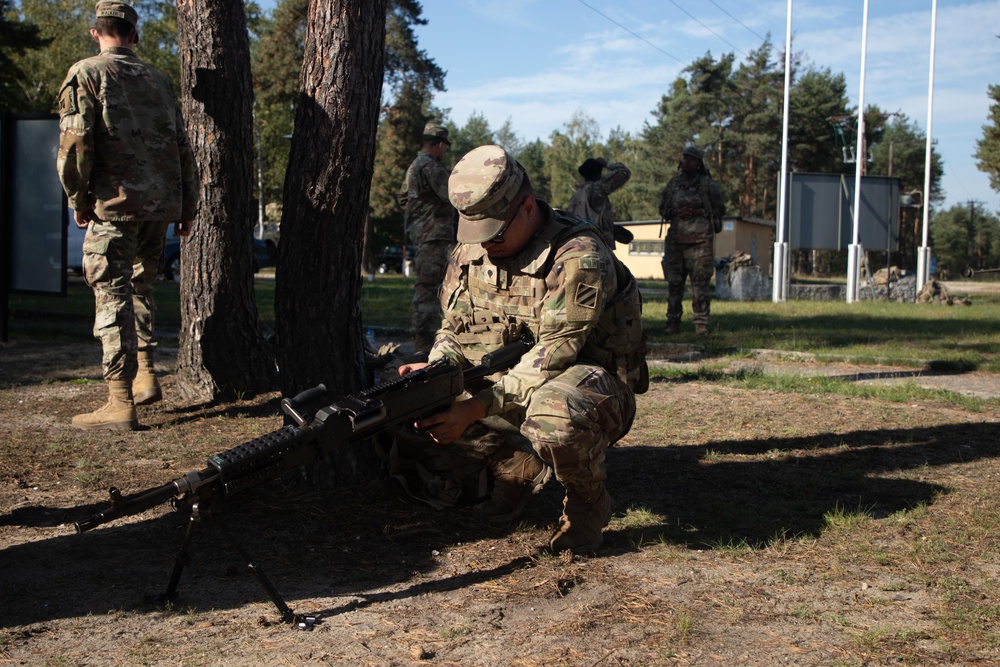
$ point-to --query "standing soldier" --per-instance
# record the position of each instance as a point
(590, 201)
(522, 267)
(128, 171)
(692, 204)
(430, 219)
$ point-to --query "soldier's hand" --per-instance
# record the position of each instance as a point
(448, 426)
(409, 368)
(82, 218)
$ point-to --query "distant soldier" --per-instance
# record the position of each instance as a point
(430, 219)
(590, 201)
(128, 171)
(692, 204)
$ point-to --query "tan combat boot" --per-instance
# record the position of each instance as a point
(145, 387)
(582, 523)
(515, 479)
(118, 414)
(701, 330)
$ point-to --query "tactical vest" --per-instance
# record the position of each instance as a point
(506, 303)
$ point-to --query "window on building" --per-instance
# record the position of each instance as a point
(654, 247)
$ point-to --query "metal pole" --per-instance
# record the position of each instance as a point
(779, 275)
(924, 251)
(854, 251)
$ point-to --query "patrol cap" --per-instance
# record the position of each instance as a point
(694, 152)
(482, 186)
(435, 130)
(590, 169)
(117, 9)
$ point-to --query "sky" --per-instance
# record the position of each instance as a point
(537, 62)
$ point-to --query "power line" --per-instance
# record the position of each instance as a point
(738, 21)
(736, 48)
(637, 36)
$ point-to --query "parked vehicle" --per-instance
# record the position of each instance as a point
(172, 257)
(390, 260)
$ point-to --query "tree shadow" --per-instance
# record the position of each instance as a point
(711, 498)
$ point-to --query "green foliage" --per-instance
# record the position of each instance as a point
(988, 147)
(566, 151)
(17, 38)
(965, 236)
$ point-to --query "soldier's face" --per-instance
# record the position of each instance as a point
(515, 233)
(690, 163)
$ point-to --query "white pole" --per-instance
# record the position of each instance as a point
(779, 278)
(854, 251)
(924, 251)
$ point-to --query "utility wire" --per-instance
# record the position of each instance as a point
(737, 20)
(736, 48)
(637, 36)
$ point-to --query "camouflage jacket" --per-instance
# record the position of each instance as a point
(590, 201)
(694, 208)
(123, 151)
(563, 288)
(427, 210)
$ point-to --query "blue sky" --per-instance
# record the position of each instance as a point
(539, 61)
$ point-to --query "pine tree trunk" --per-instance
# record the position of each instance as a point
(222, 353)
(318, 292)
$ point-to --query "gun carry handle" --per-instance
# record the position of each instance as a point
(292, 406)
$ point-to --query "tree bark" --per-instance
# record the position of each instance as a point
(222, 352)
(318, 291)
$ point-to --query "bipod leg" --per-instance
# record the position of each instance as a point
(287, 615)
(183, 556)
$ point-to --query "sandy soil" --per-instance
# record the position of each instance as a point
(750, 528)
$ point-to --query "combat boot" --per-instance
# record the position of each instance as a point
(672, 328)
(145, 386)
(118, 414)
(701, 330)
(515, 479)
(582, 523)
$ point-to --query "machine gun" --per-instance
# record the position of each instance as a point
(398, 402)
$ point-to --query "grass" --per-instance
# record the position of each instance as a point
(959, 337)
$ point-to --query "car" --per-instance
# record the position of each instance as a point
(270, 234)
(172, 257)
(390, 260)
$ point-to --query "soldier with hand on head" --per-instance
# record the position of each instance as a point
(523, 268)
(430, 220)
(590, 201)
(129, 172)
(693, 206)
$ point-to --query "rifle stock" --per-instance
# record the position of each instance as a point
(355, 417)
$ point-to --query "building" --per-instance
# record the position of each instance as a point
(750, 235)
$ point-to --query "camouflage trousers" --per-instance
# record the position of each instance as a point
(121, 260)
(429, 264)
(681, 260)
(569, 423)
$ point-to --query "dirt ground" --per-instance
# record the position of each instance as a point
(750, 528)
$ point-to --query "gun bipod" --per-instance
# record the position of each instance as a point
(183, 559)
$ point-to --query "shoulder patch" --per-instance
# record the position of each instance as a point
(67, 101)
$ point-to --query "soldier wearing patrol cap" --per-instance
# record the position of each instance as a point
(693, 206)
(128, 171)
(430, 222)
(524, 268)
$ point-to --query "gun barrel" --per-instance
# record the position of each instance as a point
(134, 504)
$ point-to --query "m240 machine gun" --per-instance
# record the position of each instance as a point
(398, 402)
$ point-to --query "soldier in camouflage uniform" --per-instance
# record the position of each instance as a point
(128, 171)
(692, 204)
(590, 201)
(430, 219)
(522, 267)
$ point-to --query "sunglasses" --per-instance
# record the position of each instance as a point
(507, 223)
